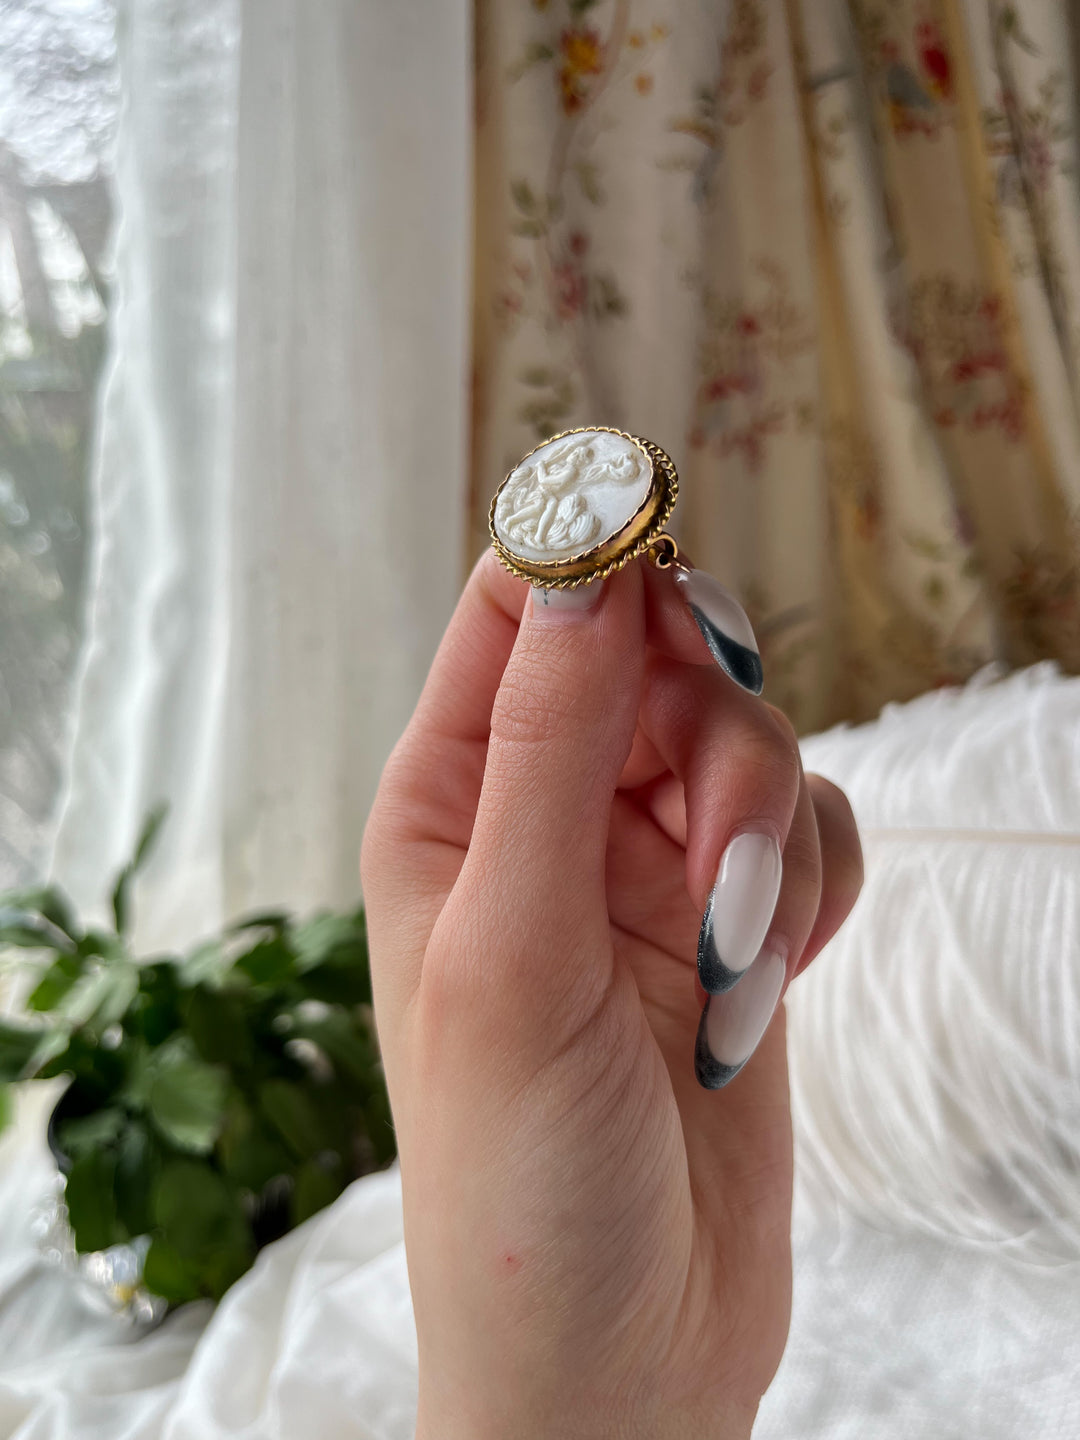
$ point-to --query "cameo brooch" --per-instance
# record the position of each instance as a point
(587, 502)
(582, 505)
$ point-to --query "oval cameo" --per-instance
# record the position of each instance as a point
(571, 495)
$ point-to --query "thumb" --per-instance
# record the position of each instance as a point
(561, 729)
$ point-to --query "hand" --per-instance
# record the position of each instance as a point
(597, 1245)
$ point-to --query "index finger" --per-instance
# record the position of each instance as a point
(419, 827)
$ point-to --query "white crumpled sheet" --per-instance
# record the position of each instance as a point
(890, 1338)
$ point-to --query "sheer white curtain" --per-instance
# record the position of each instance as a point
(280, 478)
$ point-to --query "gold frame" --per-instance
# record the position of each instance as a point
(639, 534)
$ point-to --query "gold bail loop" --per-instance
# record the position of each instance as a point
(663, 552)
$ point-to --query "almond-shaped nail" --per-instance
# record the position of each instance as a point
(732, 1025)
(582, 597)
(725, 626)
(740, 909)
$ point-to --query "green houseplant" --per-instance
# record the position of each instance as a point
(217, 1098)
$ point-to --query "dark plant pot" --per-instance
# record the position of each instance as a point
(270, 1216)
(71, 1106)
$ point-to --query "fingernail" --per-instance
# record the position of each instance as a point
(732, 1025)
(740, 909)
(584, 597)
(726, 627)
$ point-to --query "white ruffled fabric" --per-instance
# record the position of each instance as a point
(935, 1051)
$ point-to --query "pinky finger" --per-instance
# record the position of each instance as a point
(841, 864)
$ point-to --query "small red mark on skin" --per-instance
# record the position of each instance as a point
(512, 1262)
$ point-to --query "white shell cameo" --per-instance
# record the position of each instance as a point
(571, 495)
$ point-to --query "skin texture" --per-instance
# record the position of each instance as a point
(597, 1246)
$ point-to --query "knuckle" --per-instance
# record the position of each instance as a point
(769, 769)
(520, 718)
(784, 725)
(802, 859)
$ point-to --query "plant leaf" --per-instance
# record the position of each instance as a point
(197, 1211)
(101, 943)
(137, 1166)
(218, 1025)
(265, 920)
(167, 1275)
(332, 955)
(55, 983)
(89, 1132)
(207, 964)
(269, 962)
(327, 936)
(346, 985)
(228, 1262)
(6, 1107)
(346, 1043)
(50, 1054)
(101, 996)
(317, 1185)
(50, 902)
(151, 826)
(154, 1014)
(187, 1100)
(27, 931)
(99, 1073)
(143, 847)
(90, 1201)
(17, 1046)
(295, 1116)
(251, 1154)
(139, 1071)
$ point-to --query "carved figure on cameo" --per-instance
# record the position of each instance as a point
(546, 506)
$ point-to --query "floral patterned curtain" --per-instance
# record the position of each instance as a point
(828, 255)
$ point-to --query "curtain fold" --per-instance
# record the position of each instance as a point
(149, 695)
(279, 493)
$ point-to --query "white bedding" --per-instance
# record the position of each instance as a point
(897, 1333)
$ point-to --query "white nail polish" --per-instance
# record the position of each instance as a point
(740, 909)
(725, 626)
(584, 597)
(732, 1024)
